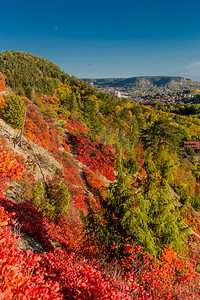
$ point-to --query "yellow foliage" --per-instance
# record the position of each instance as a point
(118, 109)
(93, 98)
(184, 177)
(128, 105)
(63, 90)
(101, 118)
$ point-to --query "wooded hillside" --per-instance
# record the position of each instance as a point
(103, 188)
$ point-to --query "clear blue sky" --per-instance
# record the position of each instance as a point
(104, 38)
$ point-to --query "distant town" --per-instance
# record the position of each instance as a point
(145, 89)
(143, 97)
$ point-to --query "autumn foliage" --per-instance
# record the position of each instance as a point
(10, 168)
(2, 82)
(54, 209)
(97, 156)
(42, 131)
(66, 275)
(95, 182)
(20, 273)
(76, 125)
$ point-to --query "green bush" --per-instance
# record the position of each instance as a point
(52, 198)
(13, 112)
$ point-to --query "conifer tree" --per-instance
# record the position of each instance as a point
(148, 218)
(119, 220)
(164, 219)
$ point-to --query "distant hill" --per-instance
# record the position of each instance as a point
(146, 83)
(27, 72)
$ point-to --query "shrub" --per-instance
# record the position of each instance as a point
(97, 156)
(13, 112)
(52, 198)
(2, 82)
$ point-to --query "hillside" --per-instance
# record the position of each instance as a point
(98, 198)
(147, 83)
(26, 73)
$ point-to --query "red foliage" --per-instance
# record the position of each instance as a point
(10, 168)
(79, 279)
(66, 275)
(170, 278)
(31, 220)
(66, 233)
(40, 130)
(78, 198)
(140, 162)
(76, 125)
(21, 276)
(96, 156)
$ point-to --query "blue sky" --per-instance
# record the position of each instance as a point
(107, 38)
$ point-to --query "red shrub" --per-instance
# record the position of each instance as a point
(96, 156)
(40, 130)
(9, 166)
(76, 124)
(21, 276)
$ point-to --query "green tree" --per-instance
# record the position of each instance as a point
(149, 218)
(13, 112)
(119, 219)
(164, 219)
(162, 134)
(52, 198)
(130, 163)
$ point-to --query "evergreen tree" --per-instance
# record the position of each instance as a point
(164, 219)
(162, 134)
(73, 103)
(148, 218)
(120, 220)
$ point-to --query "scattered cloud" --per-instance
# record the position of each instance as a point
(192, 70)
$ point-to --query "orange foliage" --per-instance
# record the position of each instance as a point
(2, 83)
(65, 145)
(2, 102)
(52, 99)
(193, 222)
(93, 179)
(40, 130)
(9, 166)
(95, 182)
(139, 149)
